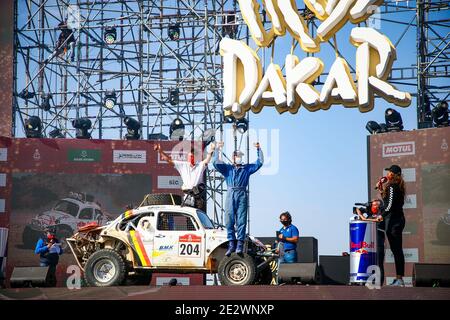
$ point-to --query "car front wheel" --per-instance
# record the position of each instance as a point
(105, 268)
(238, 269)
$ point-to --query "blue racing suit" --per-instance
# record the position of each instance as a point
(237, 178)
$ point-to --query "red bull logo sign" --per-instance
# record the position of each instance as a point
(361, 247)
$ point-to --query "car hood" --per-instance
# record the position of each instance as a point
(50, 217)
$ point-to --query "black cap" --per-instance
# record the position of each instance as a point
(394, 169)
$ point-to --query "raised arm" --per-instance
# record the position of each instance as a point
(163, 155)
(218, 164)
(253, 167)
(210, 154)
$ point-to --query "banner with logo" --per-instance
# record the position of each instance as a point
(424, 157)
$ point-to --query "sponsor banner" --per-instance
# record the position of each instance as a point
(2, 205)
(190, 238)
(2, 179)
(169, 182)
(409, 174)
(176, 156)
(407, 280)
(399, 149)
(84, 155)
(129, 156)
(164, 281)
(3, 154)
(410, 201)
(411, 255)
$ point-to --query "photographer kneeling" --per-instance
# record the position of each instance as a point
(373, 212)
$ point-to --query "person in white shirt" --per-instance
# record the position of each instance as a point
(192, 175)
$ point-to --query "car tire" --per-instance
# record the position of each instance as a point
(105, 261)
(29, 238)
(238, 269)
(162, 199)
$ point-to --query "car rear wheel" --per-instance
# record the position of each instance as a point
(105, 268)
(238, 269)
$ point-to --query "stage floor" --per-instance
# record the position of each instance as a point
(285, 292)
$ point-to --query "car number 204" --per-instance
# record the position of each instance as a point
(189, 249)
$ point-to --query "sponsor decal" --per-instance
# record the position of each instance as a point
(129, 156)
(169, 182)
(2, 179)
(189, 246)
(410, 201)
(84, 155)
(139, 250)
(165, 248)
(409, 174)
(411, 255)
(399, 149)
(190, 238)
(361, 247)
(2, 205)
(3, 154)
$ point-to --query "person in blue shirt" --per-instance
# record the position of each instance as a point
(237, 176)
(49, 249)
(288, 235)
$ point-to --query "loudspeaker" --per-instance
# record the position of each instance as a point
(335, 270)
(298, 272)
(431, 275)
(29, 277)
(306, 248)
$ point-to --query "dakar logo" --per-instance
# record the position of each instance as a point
(245, 87)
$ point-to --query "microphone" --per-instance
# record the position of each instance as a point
(381, 181)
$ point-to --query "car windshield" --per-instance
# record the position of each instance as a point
(206, 222)
(67, 207)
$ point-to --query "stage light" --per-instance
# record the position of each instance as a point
(110, 99)
(82, 125)
(133, 127)
(174, 96)
(33, 127)
(176, 131)
(208, 136)
(393, 120)
(174, 32)
(110, 35)
(242, 125)
(157, 136)
(56, 133)
(373, 127)
(228, 117)
(383, 127)
(46, 101)
(440, 114)
(25, 94)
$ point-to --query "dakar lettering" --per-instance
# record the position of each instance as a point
(246, 88)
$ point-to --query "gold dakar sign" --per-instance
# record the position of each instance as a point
(245, 87)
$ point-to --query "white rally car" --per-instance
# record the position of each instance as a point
(165, 238)
(68, 215)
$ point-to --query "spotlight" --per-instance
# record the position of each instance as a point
(33, 127)
(242, 125)
(25, 94)
(176, 131)
(373, 127)
(133, 127)
(110, 35)
(46, 101)
(82, 125)
(228, 117)
(174, 32)
(383, 127)
(56, 133)
(393, 120)
(440, 114)
(110, 99)
(157, 136)
(174, 96)
(208, 136)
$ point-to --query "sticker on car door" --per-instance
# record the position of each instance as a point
(189, 245)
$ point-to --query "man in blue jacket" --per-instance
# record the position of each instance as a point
(49, 249)
(237, 176)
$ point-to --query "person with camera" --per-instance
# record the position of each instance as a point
(49, 249)
(192, 175)
(288, 235)
(374, 212)
(393, 193)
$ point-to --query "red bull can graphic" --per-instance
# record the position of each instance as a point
(363, 249)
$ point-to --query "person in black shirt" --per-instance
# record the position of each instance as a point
(393, 193)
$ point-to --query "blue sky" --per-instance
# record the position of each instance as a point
(323, 163)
